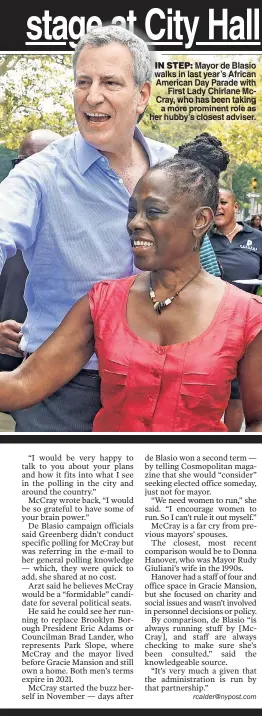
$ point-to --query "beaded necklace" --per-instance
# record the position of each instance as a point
(160, 305)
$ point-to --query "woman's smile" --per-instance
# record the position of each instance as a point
(140, 245)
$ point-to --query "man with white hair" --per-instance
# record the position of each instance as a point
(70, 221)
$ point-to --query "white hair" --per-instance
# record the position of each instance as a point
(98, 36)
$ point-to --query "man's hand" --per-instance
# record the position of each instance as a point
(10, 337)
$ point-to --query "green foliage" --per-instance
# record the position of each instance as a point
(6, 155)
(241, 183)
(35, 92)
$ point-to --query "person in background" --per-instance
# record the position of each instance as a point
(12, 280)
(238, 248)
(170, 339)
(255, 222)
(66, 209)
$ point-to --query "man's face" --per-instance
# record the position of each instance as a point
(107, 101)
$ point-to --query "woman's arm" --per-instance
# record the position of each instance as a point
(250, 380)
(56, 362)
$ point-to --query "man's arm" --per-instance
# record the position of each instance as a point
(20, 203)
(250, 380)
(56, 362)
(20, 200)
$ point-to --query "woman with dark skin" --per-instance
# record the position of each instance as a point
(165, 363)
(239, 252)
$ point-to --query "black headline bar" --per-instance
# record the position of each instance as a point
(43, 28)
(140, 439)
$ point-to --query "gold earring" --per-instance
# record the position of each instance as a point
(195, 247)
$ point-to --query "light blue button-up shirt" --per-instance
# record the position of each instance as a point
(66, 209)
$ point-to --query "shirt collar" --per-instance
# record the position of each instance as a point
(244, 228)
(87, 155)
(142, 140)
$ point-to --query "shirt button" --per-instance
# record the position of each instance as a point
(156, 373)
(161, 350)
(121, 181)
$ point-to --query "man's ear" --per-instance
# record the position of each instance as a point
(143, 97)
(203, 219)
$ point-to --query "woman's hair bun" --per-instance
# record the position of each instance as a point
(207, 150)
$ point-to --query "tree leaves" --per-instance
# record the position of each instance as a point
(35, 92)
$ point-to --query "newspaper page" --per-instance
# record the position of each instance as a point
(132, 573)
(130, 564)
